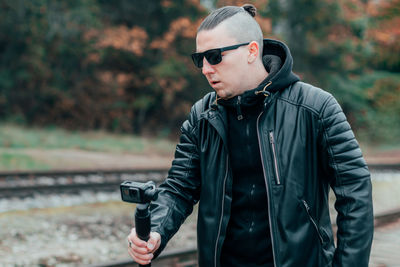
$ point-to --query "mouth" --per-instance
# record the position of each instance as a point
(214, 83)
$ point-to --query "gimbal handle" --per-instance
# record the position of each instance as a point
(142, 223)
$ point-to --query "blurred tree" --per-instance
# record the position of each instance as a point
(337, 45)
(149, 43)
(42, 58)
(384, 35)
(324, 36)
(125, 65)
(382, 112)
(61, 64)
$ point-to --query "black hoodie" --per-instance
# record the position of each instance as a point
(247, 238)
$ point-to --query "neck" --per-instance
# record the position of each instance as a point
(258, 74)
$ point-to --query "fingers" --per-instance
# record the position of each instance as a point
(138, 250)
(141, 251)
(136, 240)
(154, 241)
(140, 258)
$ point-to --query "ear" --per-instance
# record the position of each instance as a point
(254, 51)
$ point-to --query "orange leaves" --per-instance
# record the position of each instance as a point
(339, 34)
(121, 37)
(166, 3)
(265, 24)
(353, 9)
(182, 27)
(121, 80)
(384, 9)
(387, 28)
(385, 93)
(232, 2)
(384, 33)
(387, 32)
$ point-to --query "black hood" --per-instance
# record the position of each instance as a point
(278, 62)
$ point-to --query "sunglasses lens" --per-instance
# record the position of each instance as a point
(213, 56)
(198, 59)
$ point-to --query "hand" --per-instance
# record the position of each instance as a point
(141, 251)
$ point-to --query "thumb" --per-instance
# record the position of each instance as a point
(154, 241)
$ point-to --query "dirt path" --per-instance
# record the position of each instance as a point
(382, 157)
(76, 159)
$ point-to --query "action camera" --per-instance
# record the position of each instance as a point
(135, 192)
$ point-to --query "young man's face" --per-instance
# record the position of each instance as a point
(227, 78)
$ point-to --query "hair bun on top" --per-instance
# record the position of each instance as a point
(252, 10)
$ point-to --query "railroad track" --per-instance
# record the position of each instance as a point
(188, 257)
(173, 258)
(25, 184)
(17, 184)
(384, 167)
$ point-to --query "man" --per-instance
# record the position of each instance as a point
(259, 155)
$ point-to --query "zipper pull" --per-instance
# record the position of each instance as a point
(238, 109)
(272, 142)
(271, 138)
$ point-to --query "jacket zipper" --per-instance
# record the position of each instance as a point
(222, 213)
(312, 220)
(272, 142)
(266, 186)
(238, 109)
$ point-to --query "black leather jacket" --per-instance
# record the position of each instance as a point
(306, 147)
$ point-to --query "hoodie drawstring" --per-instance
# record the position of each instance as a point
(264, 90)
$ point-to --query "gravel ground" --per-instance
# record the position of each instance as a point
(91, 228)
(74, 236)
(39, 201)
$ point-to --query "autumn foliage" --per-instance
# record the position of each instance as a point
(124, 65)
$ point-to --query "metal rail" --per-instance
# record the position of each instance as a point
(387, 217)
(172, 258)
(85, 172)
(27, 183)
(57, 173)
(23, 184)
(72, 181)
(381, 167)
(188, 257)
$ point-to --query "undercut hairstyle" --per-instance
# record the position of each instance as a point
(239, 22)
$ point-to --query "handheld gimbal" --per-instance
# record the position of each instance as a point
(141, 194)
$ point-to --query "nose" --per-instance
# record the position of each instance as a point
(207, 67)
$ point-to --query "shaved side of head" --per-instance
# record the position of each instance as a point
(239, 22)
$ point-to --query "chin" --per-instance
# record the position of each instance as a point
(225, 96)
(220, 93)
(223, 93)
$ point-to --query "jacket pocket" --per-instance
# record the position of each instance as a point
(274, 158)
(307, 207)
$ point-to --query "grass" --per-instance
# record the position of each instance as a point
(16, 137)
(12, 161)
(18, 142)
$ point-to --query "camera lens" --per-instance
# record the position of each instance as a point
(125, 191)
(135, 194)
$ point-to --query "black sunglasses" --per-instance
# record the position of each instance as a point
(213, 56)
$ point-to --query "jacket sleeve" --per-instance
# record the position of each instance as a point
(181, 189)
(351, 183)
